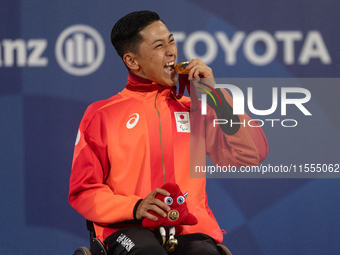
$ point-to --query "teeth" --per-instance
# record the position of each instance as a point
(170, 63)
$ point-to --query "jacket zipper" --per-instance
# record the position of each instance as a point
(160, 137)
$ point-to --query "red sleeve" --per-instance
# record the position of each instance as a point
(247, 147)
(89, 194)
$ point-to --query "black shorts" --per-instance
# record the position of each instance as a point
(142, 241)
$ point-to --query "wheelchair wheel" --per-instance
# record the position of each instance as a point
(223, 250)
(82, 251)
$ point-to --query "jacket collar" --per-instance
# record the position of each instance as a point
(143, 88)
(140, 84)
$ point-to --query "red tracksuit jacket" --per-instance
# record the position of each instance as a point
(132, 143)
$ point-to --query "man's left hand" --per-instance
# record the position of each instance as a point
(199, 70)
(200, 73)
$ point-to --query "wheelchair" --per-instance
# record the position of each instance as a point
(97, 248)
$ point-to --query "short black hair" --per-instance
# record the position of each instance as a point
(125, 34)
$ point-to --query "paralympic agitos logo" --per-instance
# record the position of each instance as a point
(298, 97)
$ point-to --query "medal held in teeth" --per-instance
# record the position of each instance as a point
(181, 68)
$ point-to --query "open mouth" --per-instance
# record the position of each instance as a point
(169, 67)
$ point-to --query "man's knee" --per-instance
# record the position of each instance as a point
(147, 249)
(134, 240)
(196, 244)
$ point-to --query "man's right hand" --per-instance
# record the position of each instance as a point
(151, 203)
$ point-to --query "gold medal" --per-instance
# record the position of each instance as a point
(180, 68)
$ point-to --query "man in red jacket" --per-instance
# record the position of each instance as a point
(129, 145)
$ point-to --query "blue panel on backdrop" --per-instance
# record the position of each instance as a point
(10, 20)
(242, 241)
(305, 222)
(254, 195)
(50, 129)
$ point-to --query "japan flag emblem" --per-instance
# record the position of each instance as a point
(182, 122)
